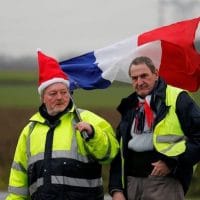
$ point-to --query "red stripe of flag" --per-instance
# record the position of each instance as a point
(180, 61)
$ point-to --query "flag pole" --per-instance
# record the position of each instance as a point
(84, 133)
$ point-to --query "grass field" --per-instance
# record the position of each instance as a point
(19, 89)
(25, 95)
(19, 100)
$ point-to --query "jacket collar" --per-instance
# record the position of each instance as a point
(42, 115)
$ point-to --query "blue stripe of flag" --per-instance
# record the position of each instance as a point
(83, 72)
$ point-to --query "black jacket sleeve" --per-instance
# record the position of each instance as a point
(188, 113)
(115, 179)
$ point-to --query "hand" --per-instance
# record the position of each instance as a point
(160, 169)
(118, 196)
(84, 126)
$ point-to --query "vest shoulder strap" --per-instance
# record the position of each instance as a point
(171, 95)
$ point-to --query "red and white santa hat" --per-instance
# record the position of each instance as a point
(49, 72)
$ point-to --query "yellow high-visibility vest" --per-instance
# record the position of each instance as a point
(168, 137)
(67, 143)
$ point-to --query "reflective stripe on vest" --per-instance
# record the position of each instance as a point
(18, 190)
(18, 167)
(69, 181)
(168, 137)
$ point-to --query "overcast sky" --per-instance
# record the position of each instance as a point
(73, 27)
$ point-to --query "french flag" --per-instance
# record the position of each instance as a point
(174, 49)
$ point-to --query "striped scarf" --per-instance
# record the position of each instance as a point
(144, 115)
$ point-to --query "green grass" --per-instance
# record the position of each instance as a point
(18, 96)
(18, 75)
(19, 89)
(25, 95)
(109, 97)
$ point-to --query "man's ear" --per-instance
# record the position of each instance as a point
(157, 74)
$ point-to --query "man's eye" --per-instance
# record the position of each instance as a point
(134, 78)
(52, 94)
(143, 76)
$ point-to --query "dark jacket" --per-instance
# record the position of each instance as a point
(189, 116)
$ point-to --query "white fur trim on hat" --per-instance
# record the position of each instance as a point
(51, 81)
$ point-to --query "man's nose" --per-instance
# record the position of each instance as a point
(59, 95)
(139, 80)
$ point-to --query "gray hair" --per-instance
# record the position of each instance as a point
(143, 60)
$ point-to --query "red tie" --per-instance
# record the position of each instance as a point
(149, 114)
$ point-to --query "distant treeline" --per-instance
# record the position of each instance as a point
(25, 62)
(9, 62)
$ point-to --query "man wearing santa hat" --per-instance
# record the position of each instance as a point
(53, 161)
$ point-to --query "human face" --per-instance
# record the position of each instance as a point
(56, 98)
(143, 80)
